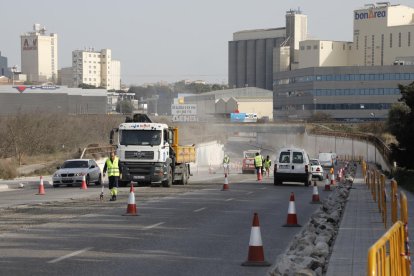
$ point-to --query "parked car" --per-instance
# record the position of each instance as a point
(292, 165)
(316, 169)
(72, 172)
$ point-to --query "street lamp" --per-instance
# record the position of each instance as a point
(13, 69)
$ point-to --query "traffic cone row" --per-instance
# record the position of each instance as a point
(41, 187)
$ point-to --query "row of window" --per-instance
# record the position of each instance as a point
(341, 106)
(347, 77)
(357, 92)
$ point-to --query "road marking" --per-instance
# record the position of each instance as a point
(153, 226)
(249, 193)
(264, 188)
(199, 210)
(229, 199)
(70, 255)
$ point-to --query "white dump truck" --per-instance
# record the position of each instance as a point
(149, 153)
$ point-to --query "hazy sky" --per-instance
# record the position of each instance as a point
(165, 39)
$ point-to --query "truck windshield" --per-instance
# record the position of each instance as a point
(140, 137)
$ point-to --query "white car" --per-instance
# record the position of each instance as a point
(72, 173)
(292, 165)
(316, 169)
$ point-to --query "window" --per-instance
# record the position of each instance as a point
(315, 47)
(399, 40)
(409, 39)
(297, 158)
(391, 40)
(302, 48)
(284, 157)
(308, 47)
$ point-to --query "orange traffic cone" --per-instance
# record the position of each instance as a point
(84, 186)
(256, 254)
(132, 207)
(41, 187)
(259, 175)
(226, 183)
(333, 179)
(327, 186)
(315, 194)
(292, 220)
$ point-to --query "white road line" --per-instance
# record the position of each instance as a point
(69, 255)
(249, 193)
(199, 210)
(264, 188)
(153, 226)
(229, 199)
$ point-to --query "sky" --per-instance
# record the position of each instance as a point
(165, 40)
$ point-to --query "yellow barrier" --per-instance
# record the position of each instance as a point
(383, 200)
(385, 256)
(394, 201)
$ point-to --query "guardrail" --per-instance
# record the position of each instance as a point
(382, 148)
(99, 150)
(390, 255)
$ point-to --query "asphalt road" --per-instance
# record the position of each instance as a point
(185, 230)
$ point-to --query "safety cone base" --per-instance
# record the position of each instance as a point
(225, 187)
(327, 189)
(291, 225)
(253, 263)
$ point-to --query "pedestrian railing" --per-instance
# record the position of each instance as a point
(390, 255)
(386, 256)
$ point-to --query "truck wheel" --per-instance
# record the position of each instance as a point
(168, 182)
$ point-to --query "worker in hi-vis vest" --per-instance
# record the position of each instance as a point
(112, 167)
(267, 164)
(226, 164)
(258, 164)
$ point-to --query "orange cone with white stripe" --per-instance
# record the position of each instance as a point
(132, 207)
(292, 219)
(226, 183)
(256, 253)
(259, 175)
(315, 194)
(41, 187)
(327, 186)
(333, 179)
(84, 186)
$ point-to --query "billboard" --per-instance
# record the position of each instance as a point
(243, 117)
(184, 112)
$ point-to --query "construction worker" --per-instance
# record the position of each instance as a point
(258, 164)
(226, 164)
(267, 164)
(111, 165)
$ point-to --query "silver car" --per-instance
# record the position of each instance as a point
(72, 172)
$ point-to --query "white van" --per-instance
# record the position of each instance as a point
(327, 159)
(292, 165)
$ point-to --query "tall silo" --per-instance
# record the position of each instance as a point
(232, 64)
(251, 63)
(241, 63)
(270, 44)
(260, 63)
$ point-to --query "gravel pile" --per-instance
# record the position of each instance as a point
(309, 251)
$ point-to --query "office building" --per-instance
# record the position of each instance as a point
(39, 55)
(96, 68)
(351, 80)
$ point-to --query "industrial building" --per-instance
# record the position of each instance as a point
(351, 80)
(220, 103)
(256, 55)
(39, 54)
(52, 99)
(346, 79)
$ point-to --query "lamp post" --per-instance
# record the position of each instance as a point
(13, 69)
